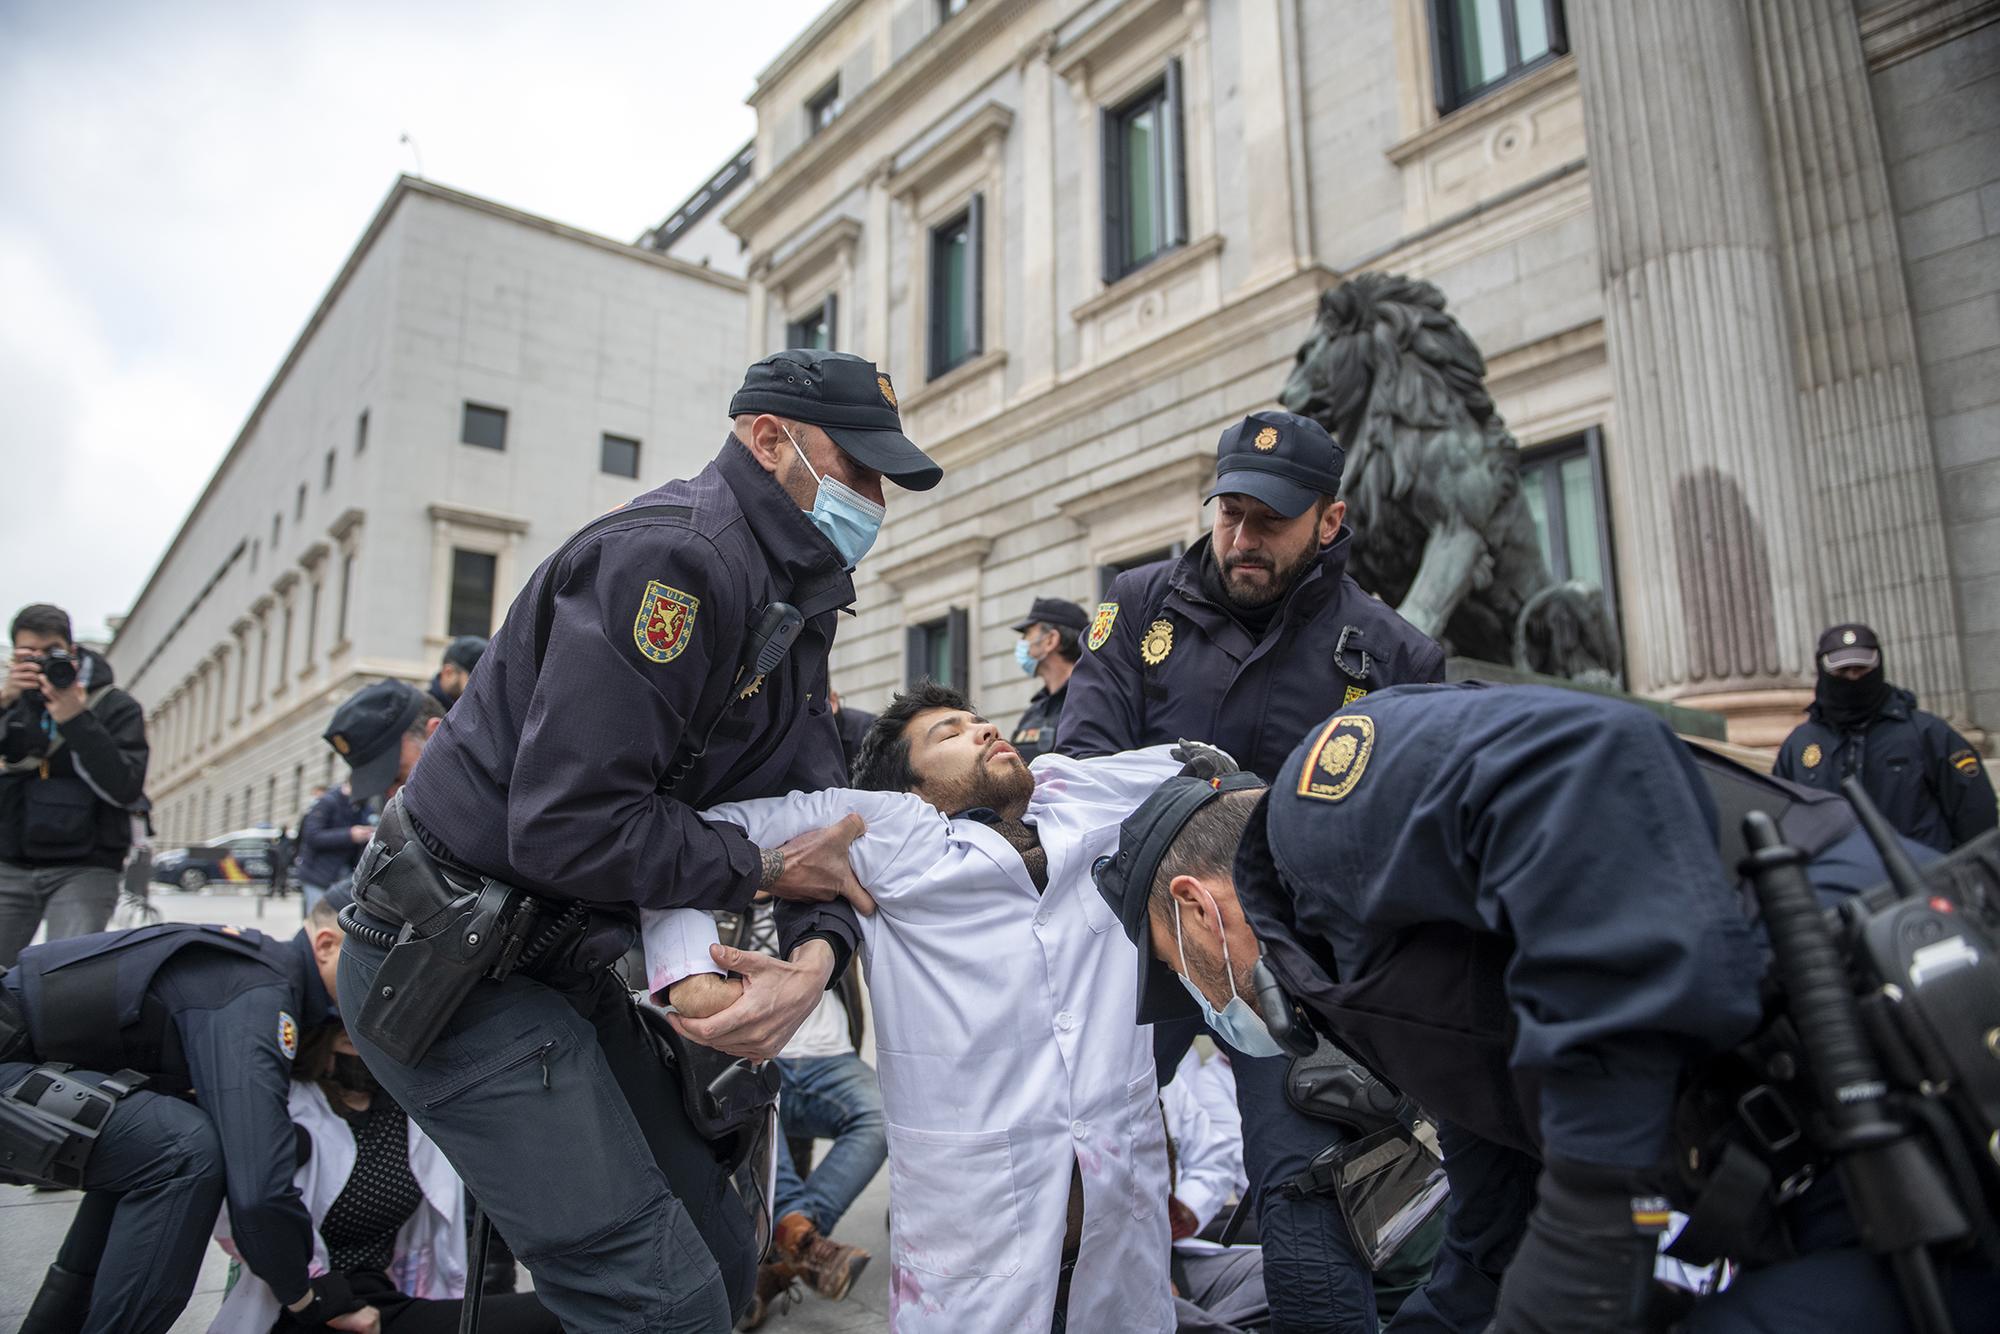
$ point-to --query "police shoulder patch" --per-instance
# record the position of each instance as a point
(1158, 643)
(1964, 761)
(1351, 694)
(288, 1035)
(1811, 756)
(665, 621)
(1100, 624)
(1338, 758)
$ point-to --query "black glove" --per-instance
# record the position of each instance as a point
(1585, 1265)
(1201, 760)
(331, 1297)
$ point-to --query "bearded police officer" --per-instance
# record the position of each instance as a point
(672, 655)
(1925, 776)
(1510, 903)
(98, 1034)
(1048, 647)
(1245, 642)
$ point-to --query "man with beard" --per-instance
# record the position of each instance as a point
(1027, 1156)
(1246, 642)
(1925, 777)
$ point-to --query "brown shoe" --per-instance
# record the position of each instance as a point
(777, 1290)
(830, 1266)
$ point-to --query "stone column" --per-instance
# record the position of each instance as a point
(1274, 242)
(760, 308)
(1868, 452)
(1038, 317)
(876, 346)
(1708, 473)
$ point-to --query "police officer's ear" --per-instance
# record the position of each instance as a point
(431, 726)
(764, 436)
(1331, 517)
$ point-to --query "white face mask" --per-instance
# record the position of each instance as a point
(849, 519)
(1236, 1023)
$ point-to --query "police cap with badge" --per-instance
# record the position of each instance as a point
(849, 399)
(367, 731)
(1280, 458)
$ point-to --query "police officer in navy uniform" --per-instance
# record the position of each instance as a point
(1048, 648)
(1510, 903)
(1245, 642)
(1922, 774)
(110, 1029)
(616, 701)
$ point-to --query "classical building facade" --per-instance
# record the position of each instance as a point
(477, 383)
(1734, 264)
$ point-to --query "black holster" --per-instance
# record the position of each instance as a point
(49, 1123)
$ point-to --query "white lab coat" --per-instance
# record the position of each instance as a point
(1008, 1049)
(1208, 1153)
(429, 1259)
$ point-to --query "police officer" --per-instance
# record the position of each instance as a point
(454, 672)
(1922, 774)
(1050, 643)
(1509, 902)
(1246, 641)
(648, 669)
(101, 1033)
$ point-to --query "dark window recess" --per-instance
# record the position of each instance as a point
(326, 474)
(941, 650)
(1145, 177)
(285, 649)
(816, 328)
(298, 792)
(1478, 45)
(346, 591)
(472, 574)
(277, 528)
(299, 503)
(361, 432)
(947, 9)
(958, 288)
(822, 107)
(1112, 569)
(618, 455)
(312, 623)
(484, 426)
(1563, 484)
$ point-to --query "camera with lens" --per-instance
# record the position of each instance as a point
(22, 733)
(58, 668)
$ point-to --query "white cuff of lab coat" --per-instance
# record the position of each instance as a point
(676, 942)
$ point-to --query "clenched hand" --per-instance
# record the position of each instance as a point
(778, 994)
(817, 870)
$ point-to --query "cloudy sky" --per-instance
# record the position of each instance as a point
(180, 182)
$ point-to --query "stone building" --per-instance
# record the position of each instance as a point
(1735, 266)
(477, 383)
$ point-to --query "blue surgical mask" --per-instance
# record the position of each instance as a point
(1237, 1024)
(1024, 659)
(849, 519)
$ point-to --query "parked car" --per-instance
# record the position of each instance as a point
(246, 857)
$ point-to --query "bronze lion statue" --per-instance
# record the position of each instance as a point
(1433, 483)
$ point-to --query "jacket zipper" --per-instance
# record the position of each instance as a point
(540, 1053)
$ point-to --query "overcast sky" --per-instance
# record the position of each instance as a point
(180, 182)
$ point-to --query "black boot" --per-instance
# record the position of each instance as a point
(61, 1305)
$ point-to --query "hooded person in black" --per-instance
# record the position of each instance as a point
(1927, 778)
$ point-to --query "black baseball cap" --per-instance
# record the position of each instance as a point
(1054, 611)
(1849, 645)
(849, 399)
(463, 652)
(1285, 460)
(1126, 880)
(367, 732)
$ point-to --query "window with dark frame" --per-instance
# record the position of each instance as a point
(1110, 570)
(285, 650)
(1563, 485)
(941, 650)
(326, 475)
(483, 426)
(361, 432)
(1145, 177)
(346, 590)
(822, 108)
(299, 503)
(472, 578)
(957, 288)
(815, 328)
(1480, 45)
(618, 455)
(312, 623)
(949, 9)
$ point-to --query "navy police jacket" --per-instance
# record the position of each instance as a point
(1163, 662)
(1509, 899)
(1035, 733)
(204, 1010)
(327, 850)
(1924, 776)
(554, 777)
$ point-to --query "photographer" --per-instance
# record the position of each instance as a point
(72, 765)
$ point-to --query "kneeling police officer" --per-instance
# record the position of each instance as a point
(670, 656)
(98, 1036)
(1510, 904)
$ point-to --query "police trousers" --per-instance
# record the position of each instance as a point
(550, 1100)
(155, 1185)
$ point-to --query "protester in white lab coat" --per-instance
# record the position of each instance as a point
(1220, 1288)
(1010, 1059)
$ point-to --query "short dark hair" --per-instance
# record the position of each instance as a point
(1205, 846)
(883, 762)
(427, 709)
(1068, 642)
(42, 618)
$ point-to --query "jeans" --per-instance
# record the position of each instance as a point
(548, 1097)
(836, 1098)
(76, 900)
